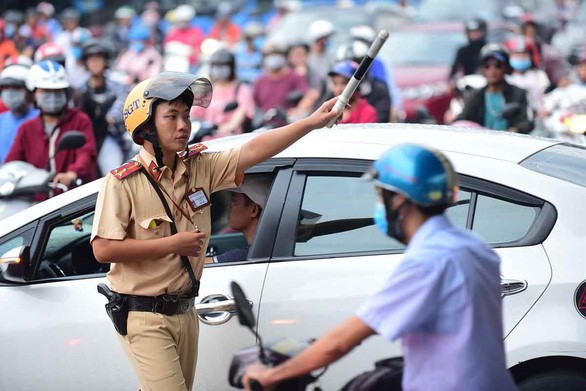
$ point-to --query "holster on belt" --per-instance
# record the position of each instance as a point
(116, 308)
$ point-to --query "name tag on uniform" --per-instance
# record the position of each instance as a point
(197, 198)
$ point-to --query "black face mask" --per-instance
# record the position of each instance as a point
(394, 218)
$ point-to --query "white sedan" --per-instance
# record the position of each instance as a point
(315, 258)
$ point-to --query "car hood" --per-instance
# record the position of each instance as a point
(414, 75)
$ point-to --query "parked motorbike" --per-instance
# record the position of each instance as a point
(20, 181)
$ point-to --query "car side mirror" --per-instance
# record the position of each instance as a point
(243, 309)
(73, 139)
(14, 264)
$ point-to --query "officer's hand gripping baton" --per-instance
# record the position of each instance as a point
(344, 98)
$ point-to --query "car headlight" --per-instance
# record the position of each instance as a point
(425, 91)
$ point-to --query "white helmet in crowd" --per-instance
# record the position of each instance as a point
(14, 75)
(363, 33)
(48, 75)
(184, 13)
(321, 29)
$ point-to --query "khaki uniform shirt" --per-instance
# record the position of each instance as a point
(130, 207)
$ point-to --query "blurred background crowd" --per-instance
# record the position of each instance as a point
(516, 65)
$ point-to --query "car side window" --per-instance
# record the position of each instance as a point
(498, 221)
(336, 218)
(68, 251)
(458, 213)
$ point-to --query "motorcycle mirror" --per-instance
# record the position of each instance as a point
(245, 315)
(231, 106)
(294, 97)
(73, 139)
(510, 110)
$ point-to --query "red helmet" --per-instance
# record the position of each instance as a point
(522, 44)
(50, 51)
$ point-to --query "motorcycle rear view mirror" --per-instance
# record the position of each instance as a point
(245, 315)
(73, 139)
(510, 110)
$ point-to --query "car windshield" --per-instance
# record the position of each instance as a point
(429, 48)
(563, 161)
(294, 27)
(433, 10)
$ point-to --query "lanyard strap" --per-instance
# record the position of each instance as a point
(194, 291)
(156, 185)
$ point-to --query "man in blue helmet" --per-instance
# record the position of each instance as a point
(443, 300)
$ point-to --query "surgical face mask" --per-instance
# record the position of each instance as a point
(520, 64)
(220, 72)
(390, 226)
(274, 61)
(10, 29)
(76, 52)
(136, 46)
(51, 102)
(13, 98)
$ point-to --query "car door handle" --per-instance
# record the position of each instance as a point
(511, 287)
(217, 309)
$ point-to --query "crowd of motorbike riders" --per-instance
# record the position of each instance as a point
(57, 76)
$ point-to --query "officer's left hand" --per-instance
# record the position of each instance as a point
(66, 178)
(257, 372)
(323, 115)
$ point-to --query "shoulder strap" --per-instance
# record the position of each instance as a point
(194, 291)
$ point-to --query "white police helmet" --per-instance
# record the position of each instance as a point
(47, 74)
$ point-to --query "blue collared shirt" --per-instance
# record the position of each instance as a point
(444, 301)
(9, 125)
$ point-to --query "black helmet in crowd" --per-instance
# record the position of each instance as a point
(93, 47)
(475, 24)
(223, 58)
(496, 51)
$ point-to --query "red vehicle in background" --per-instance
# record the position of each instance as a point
(421, 55)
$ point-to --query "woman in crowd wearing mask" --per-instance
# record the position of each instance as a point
(7, 46)
(37, 139)
(141, 60)
(277, 81)
(16, 97)
(227, 91)
(526, 74)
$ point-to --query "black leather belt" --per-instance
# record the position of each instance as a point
(164, 304)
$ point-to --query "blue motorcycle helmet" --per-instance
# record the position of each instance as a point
(422, 175)
(344, 68)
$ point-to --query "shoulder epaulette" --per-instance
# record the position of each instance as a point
(126, 169)
(194, 150)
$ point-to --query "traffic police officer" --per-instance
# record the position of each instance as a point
(443, 300)
(154, 270)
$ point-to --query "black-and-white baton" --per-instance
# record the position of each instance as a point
(352, 85)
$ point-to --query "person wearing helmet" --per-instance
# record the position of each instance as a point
(468, 56)
(486, 106)
(7, 45)
(117, 31)
(362, 37)
(224, 30)
(141, 60)
(443, 300)
(183, 32)
(47, 20)
(271, 88)
(152, 220)
(248, 53)
(360, 111)
(102, 99)
(525, 73)
(320, 59)
(37, 139)
(228, 91)
(18, 100)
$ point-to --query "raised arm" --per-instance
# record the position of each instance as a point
(267, 145)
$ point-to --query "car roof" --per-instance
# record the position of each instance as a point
(350, 141)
